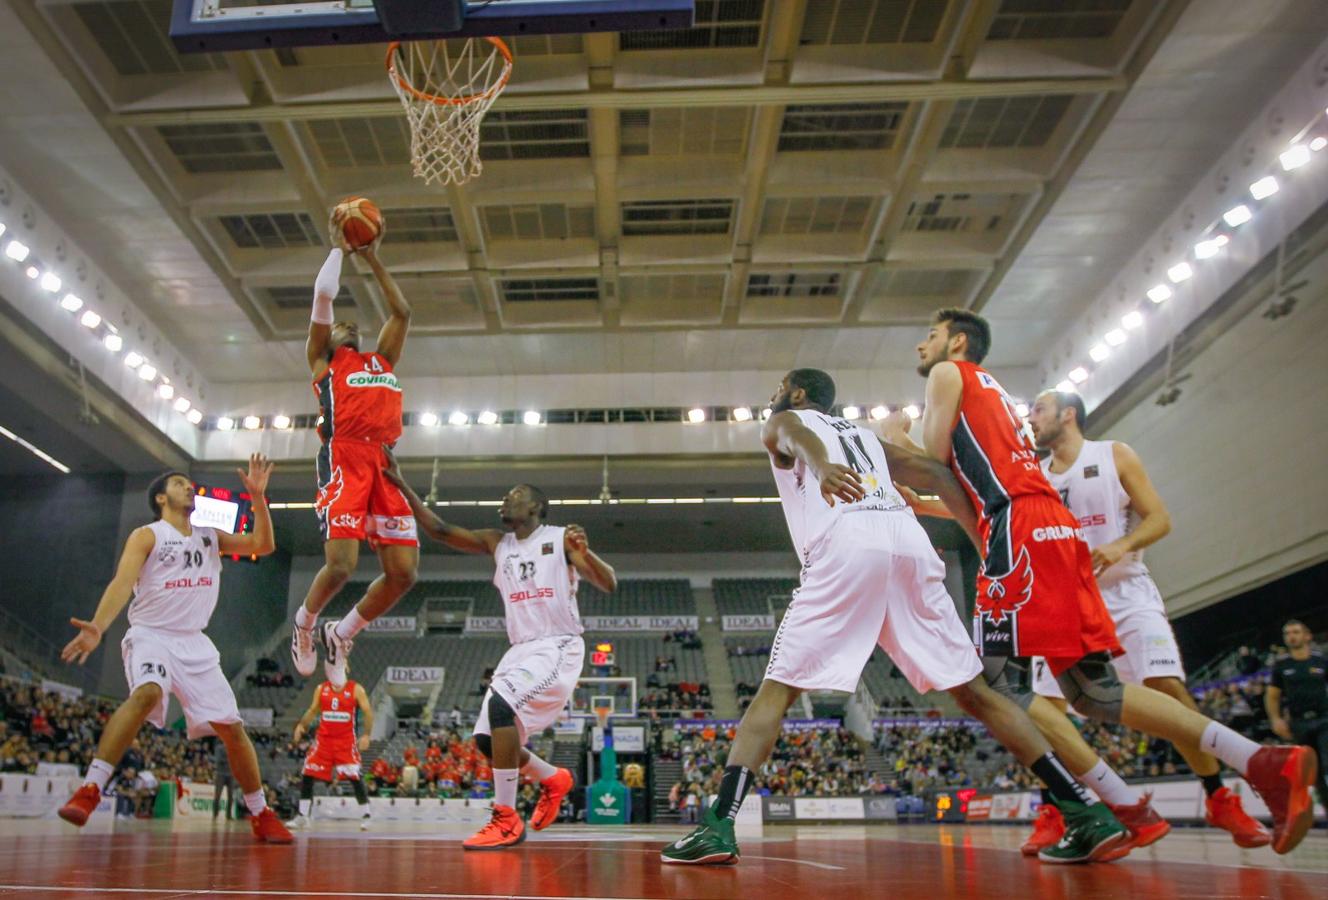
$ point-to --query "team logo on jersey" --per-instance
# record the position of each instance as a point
(370, 380)
(166, 555)
(207, 542)
(346, 520)
(1006, 595)
(330, 492)
(546, 549)
(1090, 471)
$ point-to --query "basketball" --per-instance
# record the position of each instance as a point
(360, 221)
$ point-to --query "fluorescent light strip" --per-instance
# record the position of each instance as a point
(580, 501)
(35, 451)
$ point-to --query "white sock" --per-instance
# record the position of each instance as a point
(351, 625)
(538, 769)
(99, 773)
(1103, 781)
(305, 806)
(1226, 745)
(504, 787)
(255, 802)
(305, 619)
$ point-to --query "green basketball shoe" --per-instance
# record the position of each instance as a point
(710, 844)
(1091, 832)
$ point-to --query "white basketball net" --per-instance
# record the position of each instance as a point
(446, 91)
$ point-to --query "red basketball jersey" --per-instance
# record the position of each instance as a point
(337, 726)
(992, 455)
(359, 398)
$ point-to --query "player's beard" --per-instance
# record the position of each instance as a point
(782, 403)
(1045, 437)
(924, 368)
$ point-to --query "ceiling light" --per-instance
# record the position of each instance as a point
(166, 392)
(146, 371)
(253, 423)
(1205, 249)
(1264, 187)
(225, 423)
(72, 302)
(487, 417)
(427, 419)
(531, 417)
(32, 272)
(1316, 145)
(281, 421)
(1237, 215)
(1078, 374)
(1295, 157)
(1159, 293)
(1132, 319)
(878, 412)
(742, 413)
(194, 416)
(133, 360)
(1065, 387)
(182, 404)
(90, 319)
(765, 413)
(1115, 337)
(912, 411)
(3, 228)
(17, 251)
(1021, 410)
(113, 342)
(458, 418)
(696, 415)
(50, 282)
(1181, 271)
(852, 412)
(1099, 352)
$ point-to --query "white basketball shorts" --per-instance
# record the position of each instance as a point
(184, 663)
(1144, 633)
(874, 579)
(536, 678)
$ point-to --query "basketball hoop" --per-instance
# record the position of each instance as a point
(446, 91)
(602, 713)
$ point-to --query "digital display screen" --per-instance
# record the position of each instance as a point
(602, 655)
(225, 510)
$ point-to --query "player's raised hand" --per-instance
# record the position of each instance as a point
(78, 650)
(336, 234)
(392, 471)
(841, 482)
(576, 539)
(364, 743)
(895, 425)
(260, 470)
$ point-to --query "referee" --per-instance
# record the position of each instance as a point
(1300, 686)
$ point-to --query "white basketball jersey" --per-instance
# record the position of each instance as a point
(1091, 488)
(538, 585)
(178, 584)
(808, 514)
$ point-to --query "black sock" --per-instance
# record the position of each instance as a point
(732, 790)
(1060, 783)
(1211, 783)
(360, 796)
(1046, 796)
(307, 787)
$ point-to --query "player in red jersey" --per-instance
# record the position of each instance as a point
(335, 751)
(359, 401)
(1037, 595)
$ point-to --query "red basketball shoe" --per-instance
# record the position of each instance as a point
(552, 791)
(1223, 810)
(1146, 826)
(1048, 829)
(268, 828)
(505, 829)
(1282, 776)
(81, 805)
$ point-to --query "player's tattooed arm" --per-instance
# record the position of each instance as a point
(479, 541)
(308, 718)
(392, 337)
(113, 599)
(588, 563)
(787, 440)
(925, 473)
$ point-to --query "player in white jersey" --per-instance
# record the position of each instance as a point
(870, 577)
(537, 568)
(173, 570)
(1106, 487)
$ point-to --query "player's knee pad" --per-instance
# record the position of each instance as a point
(485, 743)
(501, 714)
(1091, 687)
(1010, 677)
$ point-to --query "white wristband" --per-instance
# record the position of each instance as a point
(326, 287)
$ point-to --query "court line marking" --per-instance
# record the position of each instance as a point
(218, 892)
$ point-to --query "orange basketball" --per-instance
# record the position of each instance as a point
(360, 221)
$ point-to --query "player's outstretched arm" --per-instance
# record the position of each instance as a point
(366, 710)
(588, 564)
(480, 541)
(1154, 519)
(787, 439)
(326, 288)
(262, 541)
(934, 508)
(918, 471)
(392, 338)
(945, 391)
(113, 599)
(309, 715)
